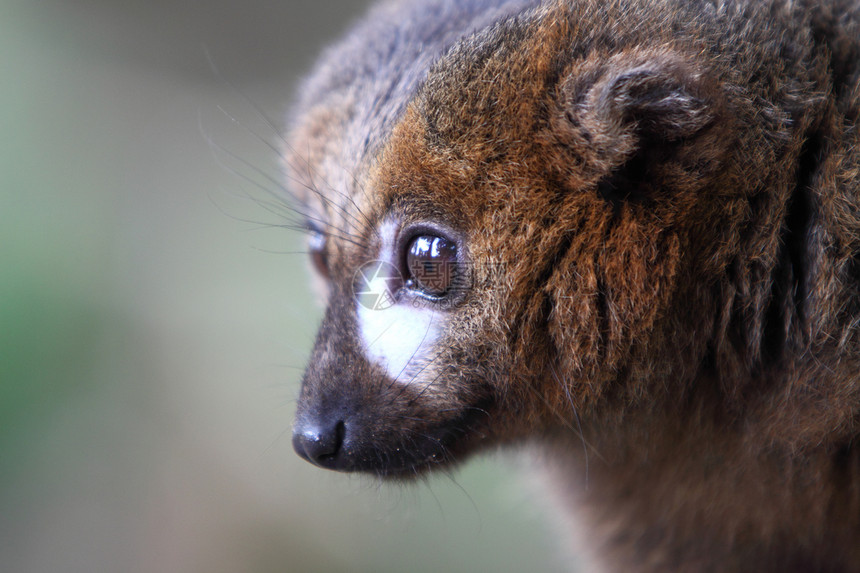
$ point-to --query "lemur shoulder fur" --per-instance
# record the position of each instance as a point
(624, 232)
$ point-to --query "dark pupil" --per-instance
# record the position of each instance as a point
(431, 263)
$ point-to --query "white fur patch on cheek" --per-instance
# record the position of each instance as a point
(398, 337)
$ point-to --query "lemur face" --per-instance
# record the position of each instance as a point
(501, 258)
(395, 382)
(401, 375)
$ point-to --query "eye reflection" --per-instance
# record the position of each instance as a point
(430, 264)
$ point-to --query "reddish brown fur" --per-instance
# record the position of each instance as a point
(673, 192)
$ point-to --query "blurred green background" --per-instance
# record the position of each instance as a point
(154, 320)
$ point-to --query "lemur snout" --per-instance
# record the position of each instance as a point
(320, 442)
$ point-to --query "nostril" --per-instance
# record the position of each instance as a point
(320, 446)
(339, 430)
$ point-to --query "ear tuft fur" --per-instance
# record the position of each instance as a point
(632, 113)
(641, 95)
(652, 94)
(658, 99)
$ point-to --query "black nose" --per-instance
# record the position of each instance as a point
(321, 443)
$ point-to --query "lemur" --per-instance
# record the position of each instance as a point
(625, 233)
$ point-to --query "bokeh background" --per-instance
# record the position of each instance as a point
(155, 317)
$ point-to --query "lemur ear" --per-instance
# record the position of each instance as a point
(657, 99)
(653, 94)
(628, 115)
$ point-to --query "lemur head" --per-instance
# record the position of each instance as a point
(502, 246)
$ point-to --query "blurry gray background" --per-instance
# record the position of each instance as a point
(154, 320)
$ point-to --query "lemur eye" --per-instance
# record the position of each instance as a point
(316, 248)
(430, 264)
